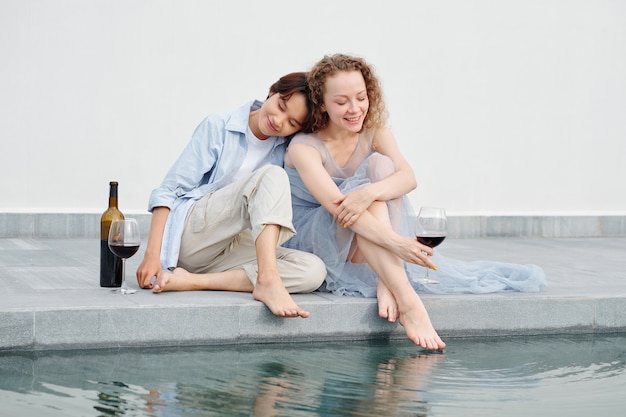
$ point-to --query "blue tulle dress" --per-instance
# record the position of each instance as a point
(318, 233)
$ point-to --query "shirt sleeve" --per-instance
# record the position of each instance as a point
(194, 165)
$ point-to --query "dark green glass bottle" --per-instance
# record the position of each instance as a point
(110, 265)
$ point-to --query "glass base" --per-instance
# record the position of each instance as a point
(123, 291)
(428, 281)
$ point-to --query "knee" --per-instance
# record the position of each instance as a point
(272, 176)
(315, 272)
(380, 167)
(272, 171)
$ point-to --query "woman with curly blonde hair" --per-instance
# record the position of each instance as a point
(344, 171)
(349, 185)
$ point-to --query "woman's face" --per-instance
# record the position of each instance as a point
(280, 117)
(345, 100)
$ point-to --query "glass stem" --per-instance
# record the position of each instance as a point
(124, 287)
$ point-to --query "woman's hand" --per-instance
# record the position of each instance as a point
(410, 250)
(149, 267)
(352, 205)
(151, 264)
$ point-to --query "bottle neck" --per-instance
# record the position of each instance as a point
(113, 196)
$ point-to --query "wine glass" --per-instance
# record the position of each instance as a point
(431, 229)
(124, 242)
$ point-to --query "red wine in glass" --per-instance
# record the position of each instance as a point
(430, 241)
(124, 251)
(431, 228)
(124, 242)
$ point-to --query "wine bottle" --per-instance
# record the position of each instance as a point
(110, 265)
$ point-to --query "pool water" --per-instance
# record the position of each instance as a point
(582, 375)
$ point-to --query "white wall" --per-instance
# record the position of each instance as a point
(502, 107)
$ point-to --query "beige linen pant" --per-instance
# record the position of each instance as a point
(221, 228)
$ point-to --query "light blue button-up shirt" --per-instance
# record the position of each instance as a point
(214, 154)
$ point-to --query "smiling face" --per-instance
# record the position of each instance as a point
(280, 116)
(345, 100)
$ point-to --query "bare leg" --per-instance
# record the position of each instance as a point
(390, 270)
(183, 280)
(269, 287)
(387, 305)
(413, 315)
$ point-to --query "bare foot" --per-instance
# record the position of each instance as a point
(419, 329)
(178, 280)
(276, 297)
(387, 305)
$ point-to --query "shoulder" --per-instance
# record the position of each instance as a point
(308, 139)
(305, 145)
(379, 132)
(379, 136)
(237, 120)
(216, 126)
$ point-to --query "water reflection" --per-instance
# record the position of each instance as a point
(571, 375)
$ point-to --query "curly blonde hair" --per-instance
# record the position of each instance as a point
(330, 65)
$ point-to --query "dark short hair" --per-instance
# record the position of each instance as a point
(288, 85)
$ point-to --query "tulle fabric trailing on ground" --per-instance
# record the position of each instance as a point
(318, 233)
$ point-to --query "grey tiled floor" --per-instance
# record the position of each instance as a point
(50, 299)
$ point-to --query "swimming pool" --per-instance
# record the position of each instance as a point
(578, 375)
